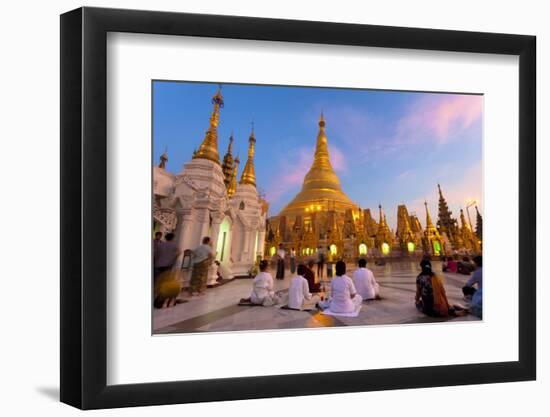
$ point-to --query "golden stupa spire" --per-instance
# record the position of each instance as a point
(463, 221)
(429, 223)
(209, 146)
(249, 175)
(320, 183)
(232, 187)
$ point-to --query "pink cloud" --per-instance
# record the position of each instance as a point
(441, 118)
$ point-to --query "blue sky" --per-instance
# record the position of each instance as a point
(387, 147)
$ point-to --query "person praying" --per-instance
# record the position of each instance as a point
(309, 275)
(262, 287)
(299, 297)
(203, 256)
(344, 297)
(364, 281)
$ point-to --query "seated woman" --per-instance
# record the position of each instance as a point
(364, 282)
(431, 297)
(262, 288)
(344, 297)
(299, 297)
(450, 265)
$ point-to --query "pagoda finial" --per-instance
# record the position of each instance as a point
(249, 175)
(429, 223)
(227, 165)
(209, 146)
(322, 120)
(163, 158)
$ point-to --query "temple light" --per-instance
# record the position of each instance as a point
(437, 248)
(272, 251)
(385, 248)
(410, 246)
(362, 249)
(333, 249)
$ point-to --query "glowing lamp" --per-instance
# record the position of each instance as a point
(410, 247)
(362, 249)
(385, 248)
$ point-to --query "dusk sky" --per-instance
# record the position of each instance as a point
(387, 147)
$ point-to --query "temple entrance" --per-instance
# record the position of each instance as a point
(362, 249)
(385, 248)
(224, 240)
(333, 250)
(437, 247)
(410, 247)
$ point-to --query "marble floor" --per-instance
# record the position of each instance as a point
(217, 310)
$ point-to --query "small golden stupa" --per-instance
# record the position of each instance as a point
(321, 190)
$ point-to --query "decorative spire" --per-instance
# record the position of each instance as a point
(209, 145)
(249, 175)
(429, 223)
(463, 221)
(163, 159)
(232, 187)
(479, 225)
(227, 166)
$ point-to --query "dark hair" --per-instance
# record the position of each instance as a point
(311, 262)
(362, 263)
(466, 259)
(205, 240)
(301, 269)
(169, 236)
(263, 265)
(158, 234)
(427, 269)
(280, 245)
(340, 268)
(478, 260)
(424, 262)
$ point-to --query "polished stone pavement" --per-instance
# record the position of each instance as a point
(217, 310)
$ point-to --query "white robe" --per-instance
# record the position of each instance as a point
(262, 289)
(298, 292)
(342, 289)
(365, 284)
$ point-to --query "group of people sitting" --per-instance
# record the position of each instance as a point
(346, 293)
(464, 267)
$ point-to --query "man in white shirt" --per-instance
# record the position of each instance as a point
(364, 282)
(344, 297)
(299, 297)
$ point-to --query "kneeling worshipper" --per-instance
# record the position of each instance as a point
(364, 282)
(344, 297)
(262, 288)
(299, 297)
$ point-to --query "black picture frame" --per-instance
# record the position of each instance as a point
(84, 207)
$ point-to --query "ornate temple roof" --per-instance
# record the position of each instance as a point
(321, 188)
(209, 146)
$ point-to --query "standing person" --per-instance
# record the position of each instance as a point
(203, 256)
(364, 282)
(292, 261)
(280, 262)
(166, 254)
(299, 295)
(156, 242)
(344, 296)
(320, 262)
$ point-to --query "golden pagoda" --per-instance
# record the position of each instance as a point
(249, 175)
(432, 239)
(321, 190)
(209, 146)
